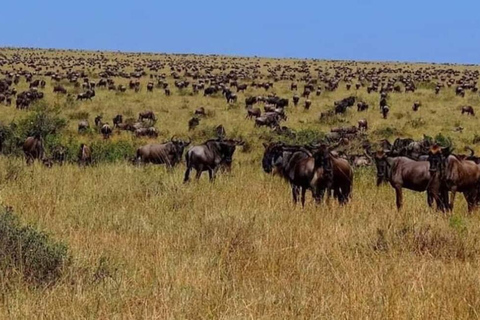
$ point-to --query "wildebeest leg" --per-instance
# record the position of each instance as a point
(471, 198)
(211, 174)
(199, 173)
(304, 191)
(187, 175)
(452, 198)
(398, 191)
(430, 199)
(295, 194)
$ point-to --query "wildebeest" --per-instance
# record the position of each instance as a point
(362, 125)
(33, 148)
(169, 153)
(269, 119)
(362, 106)
(209, 156)
(385, 111)
(118, 119)
(83, 126)
(295, 99)
(468, 110)
(403, 172)
(458, 173)
(84, 155)
(98, 121)
(146, 132)
(200, 112)
(308, 103)
(106, 131)
(59, 89)
(59, 154)
(220, 131)
(89, 94)
(253, 113)
(416, 105)
(148, 114)
(193, 123)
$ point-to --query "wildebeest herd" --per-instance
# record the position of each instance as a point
(322, 167)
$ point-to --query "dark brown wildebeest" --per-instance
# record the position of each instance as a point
(293, 86)
(416, 105)
(89, 94)
(242, 87)
(59, 89)
(362, 125)
(337, 174)
(146, 132)
(295, 99)
(98, 121)
(33, 148)
(269, 119)
(209, 156)
(308, 104)
(253, 113)
(147, 114)
(59, 154)
(362, 106)
(385, 111)
(319, 92)
(84, 155)
(122, 88)
(403, 172)
(150, 86)
(167, 92)
(169, 153)
(458, 173)
(468, 110)
(106, 131)
(193, 123)
(200, 112)
(83, 126)
(118, 119)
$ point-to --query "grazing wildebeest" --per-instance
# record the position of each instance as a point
(242, 87)
(362, 106)
(468, 110)
(59, 89)
(167, 92)
(169, 153)
(250, 101)
(106, 131)
(403, 172)
(148, 114)
(84, 155)
(200, 112)
(209, 157)
(59, 154)
(33, 148)
(118, 119)
(269, 119)
(193, 123)
(150, 86)
(362, 125)
(83, 126)
(89, 94)
(458, 173)
(146, 132)
(253, 113)
(416, 105)
(308, 104)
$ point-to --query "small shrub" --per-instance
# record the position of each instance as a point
(103, 151)
(443, 140)
(79, 115)
(387, 132)
(24, 249)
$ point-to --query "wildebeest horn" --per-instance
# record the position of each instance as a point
(367, 155)
(472, 153)
(172, 139)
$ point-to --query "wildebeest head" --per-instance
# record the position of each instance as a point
(227, 149)
(179, 146)
(437, 157)
(383, 167)
(272, 156)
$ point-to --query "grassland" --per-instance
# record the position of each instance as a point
(146, 246)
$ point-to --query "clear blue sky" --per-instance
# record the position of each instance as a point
(404, 30)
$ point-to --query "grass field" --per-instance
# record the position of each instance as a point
(144, 245)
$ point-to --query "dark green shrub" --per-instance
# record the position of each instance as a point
(443, 140)
(387, 132)
(79, 115)
(33, 253)
(107, 151)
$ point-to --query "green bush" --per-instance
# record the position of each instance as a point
(32, 253)
(79, 115)
(106, 151)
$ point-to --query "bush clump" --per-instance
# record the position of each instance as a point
(34, 254)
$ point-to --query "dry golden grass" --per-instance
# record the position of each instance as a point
(146, 246)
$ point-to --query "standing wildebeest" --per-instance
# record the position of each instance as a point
(33, 148)
(362, 106)
(89, 94)
(468, 110)
(209, 157)
(84, 155)
(253, 113)
(416, 105)
(59, 89)
(308, 104)
(220, 131)
(200, 112)
(385, 111)
(118, 119)
(150, 87)
(98, 121)
(458, 173)
(146, 132)
(362, 124)
(106, 131)
(148, 114)
(59, 154)
(242, 87)
(296, 99)
(169, 153)
(403, 172)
